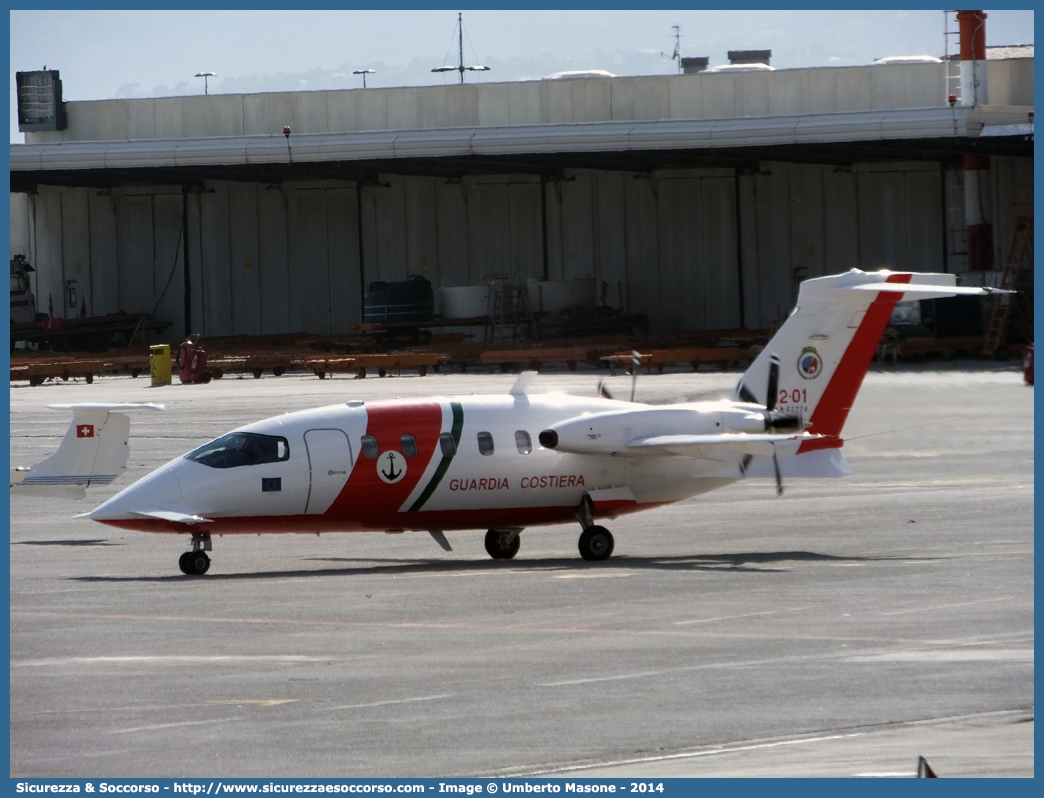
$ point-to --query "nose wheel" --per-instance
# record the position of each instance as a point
(196, 562)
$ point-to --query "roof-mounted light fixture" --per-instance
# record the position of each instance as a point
(206, 77)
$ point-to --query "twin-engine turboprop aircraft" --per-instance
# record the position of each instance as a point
(507, 462)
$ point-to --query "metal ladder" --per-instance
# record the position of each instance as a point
(510, 315)
(1018, 256)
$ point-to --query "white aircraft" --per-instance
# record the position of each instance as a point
(507, 462)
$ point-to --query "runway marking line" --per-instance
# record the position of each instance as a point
(260, 702)
(948, 606)
(178, 658)
(590, 576)
(746, 615)
(171, 725)
(392, 701)
(606, 678)
(518, 628)
(692, 754)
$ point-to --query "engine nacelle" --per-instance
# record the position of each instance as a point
(608, 433)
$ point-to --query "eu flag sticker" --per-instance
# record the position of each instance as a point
(271, 484)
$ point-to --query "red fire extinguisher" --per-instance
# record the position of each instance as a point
(192, 361)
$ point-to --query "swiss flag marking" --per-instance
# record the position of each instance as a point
(85, 431)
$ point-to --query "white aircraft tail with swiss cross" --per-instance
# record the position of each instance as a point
(94, 451)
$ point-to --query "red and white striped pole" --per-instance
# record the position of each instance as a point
(976, 167)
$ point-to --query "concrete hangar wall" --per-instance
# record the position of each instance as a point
(385, 183)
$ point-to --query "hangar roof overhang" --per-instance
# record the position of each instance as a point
(841, 138)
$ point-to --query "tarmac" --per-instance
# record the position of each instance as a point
(844, 629)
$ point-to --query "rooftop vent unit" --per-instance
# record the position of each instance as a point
(693, 65)
(908, 59)
(573, 74)
(745, 57)
(40, 104)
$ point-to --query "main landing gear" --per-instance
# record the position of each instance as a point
(196, 562)
(596, 542)
(503, 544)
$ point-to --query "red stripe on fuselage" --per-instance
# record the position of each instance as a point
(366, 499)
(832, 411)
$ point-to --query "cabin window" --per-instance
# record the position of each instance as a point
(523, 442)
(485, 442)
(369, 447)
(409, 445)
(447, 444)
(241, 449)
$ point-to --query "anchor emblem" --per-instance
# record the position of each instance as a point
(386, 467)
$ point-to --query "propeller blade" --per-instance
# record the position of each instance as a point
(636, 360)
(744, 463)
(779, 477)
(773, 383)
(603, 392)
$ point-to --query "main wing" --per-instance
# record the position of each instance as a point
(713, 447)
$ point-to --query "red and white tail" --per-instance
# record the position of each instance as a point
(827, 344)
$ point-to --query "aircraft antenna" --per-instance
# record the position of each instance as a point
(460, 54)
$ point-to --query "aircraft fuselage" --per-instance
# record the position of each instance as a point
(389, 466)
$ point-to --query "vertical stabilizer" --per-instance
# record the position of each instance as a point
(94, 451)
(826, 345)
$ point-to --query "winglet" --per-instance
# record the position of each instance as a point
(521, 386)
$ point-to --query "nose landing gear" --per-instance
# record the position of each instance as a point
(596, 542)
(196, 562)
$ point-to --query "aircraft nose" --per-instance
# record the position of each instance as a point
(159, 489)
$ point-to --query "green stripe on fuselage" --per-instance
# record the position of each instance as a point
(440, 472)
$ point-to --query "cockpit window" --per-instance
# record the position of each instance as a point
(241, 449)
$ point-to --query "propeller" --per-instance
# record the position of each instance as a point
(775, 421)
(603, 392)
(636, 361)
(778, 421)
(779, 477)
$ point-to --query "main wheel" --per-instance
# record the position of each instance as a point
(198, 563)
(596, 543)
(183, 562)
(498, 547)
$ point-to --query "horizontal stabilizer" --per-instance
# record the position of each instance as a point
(920, 291)
(177, 518)
(713, 447)
(820, 463)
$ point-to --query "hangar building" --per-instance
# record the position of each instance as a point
(699, 199)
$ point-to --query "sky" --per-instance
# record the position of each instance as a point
(109, 54)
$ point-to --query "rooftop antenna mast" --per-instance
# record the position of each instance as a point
(460, 54)
(676, 55)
